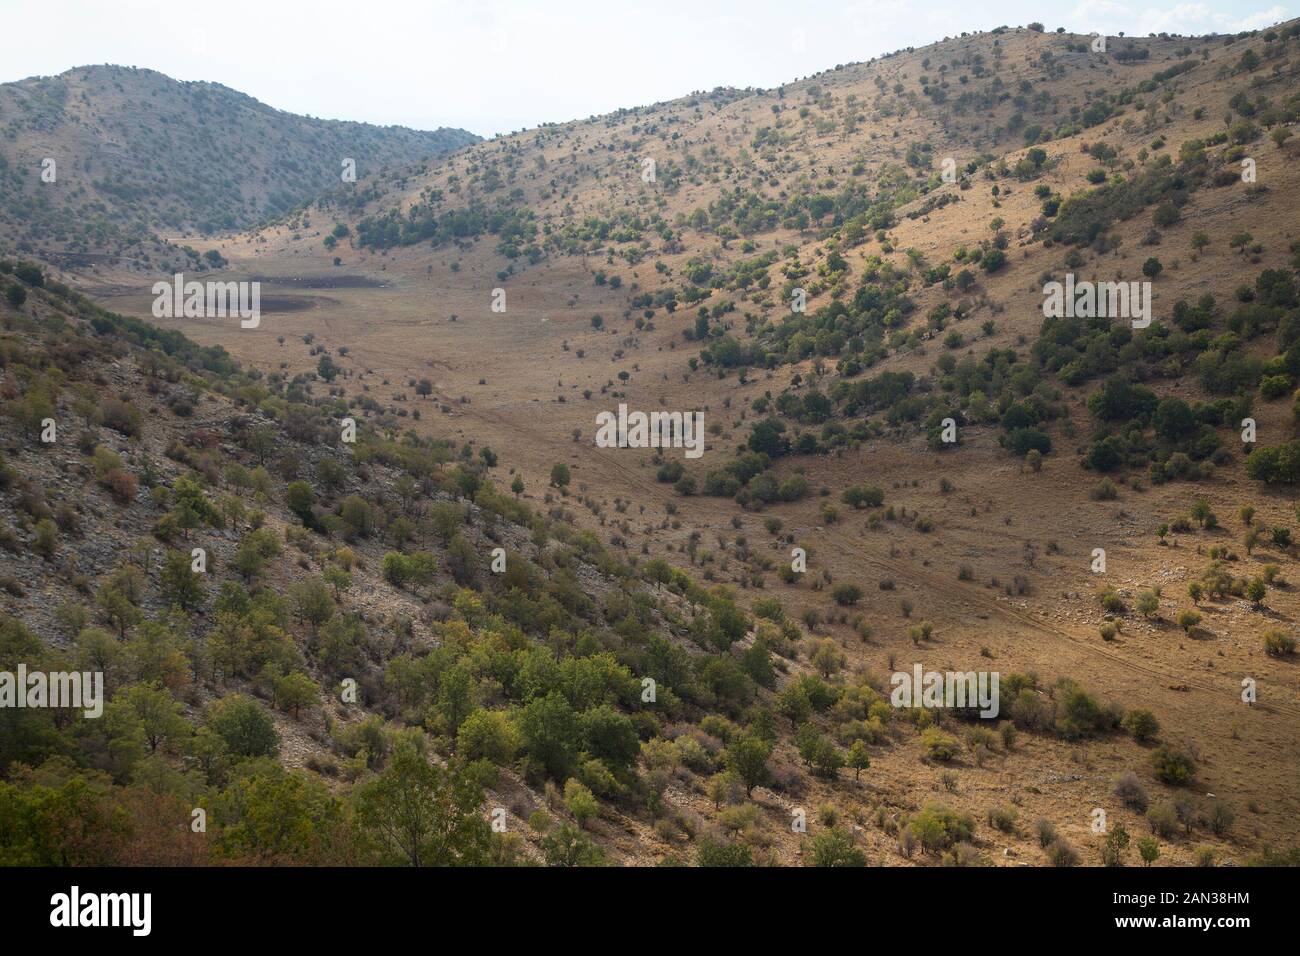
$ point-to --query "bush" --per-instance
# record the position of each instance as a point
(716, 853)
(937, 827)
(1061, 853)
(846, 595)
(939, 745)
(121, 485)
(993, 260)
(1277, 644)
(834, 847)
(1174, 767)
(580, 801)
(1142, 724)
(1165, 215)
(1104, 491)
(863, 496)
(1003, 818)
(1163, 820)
(1046, 832)
(1274, 386)
(1275, 464)
(121, 416)
(1130, 790)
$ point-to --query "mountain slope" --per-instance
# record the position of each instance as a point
(140, 157)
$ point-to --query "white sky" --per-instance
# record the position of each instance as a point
(501, 65)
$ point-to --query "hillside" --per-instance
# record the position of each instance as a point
(825, 431)
(325, 563)
(140, 158)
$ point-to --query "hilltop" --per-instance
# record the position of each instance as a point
(140, 158)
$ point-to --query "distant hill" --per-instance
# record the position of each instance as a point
(139, 156)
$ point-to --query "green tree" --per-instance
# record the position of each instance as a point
(296, 691)
(191, 507)
(181, 585)
(421, 814)
(488, 735)
(1112, 851)
(580, 801)
(859, 758)
(568, 846)
(273, 815)
(157, 711)
(1149, 849)
(550, 729)
(245, 726)
(312, 602)
(746, 756)
(338, 579)
(301, 500)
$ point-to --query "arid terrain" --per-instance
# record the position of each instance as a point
(833, 185)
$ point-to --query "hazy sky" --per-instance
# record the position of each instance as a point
(502, 65)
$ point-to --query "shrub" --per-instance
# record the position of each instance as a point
(580, 801)
(1130, 790)
(1220, 818)
(1163, 820)
(863, 496)
(937, 827)
(1046, 832)
(939, 745)
(718, 853)
(121, 416)
(1148, 849)
(846, 595)
(1174, 767)
(834, 847)
(1105, 490)
(1277, 644)
(1003, 818)
(1142, 724)
(121, 485)
(1061, 853)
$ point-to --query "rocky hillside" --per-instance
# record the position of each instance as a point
(296, 624)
